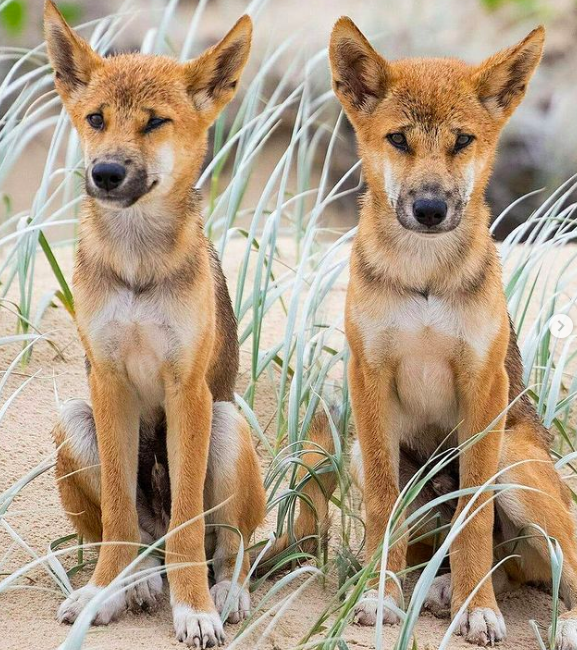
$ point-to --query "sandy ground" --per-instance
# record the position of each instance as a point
(27, 615)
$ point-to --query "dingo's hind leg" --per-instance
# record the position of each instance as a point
(547, 505)
(234, 487)
(78, 468)
(78, 476)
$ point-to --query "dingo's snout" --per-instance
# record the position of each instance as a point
(430, 212)
(117, 181)
(429, 209)
(108, 176)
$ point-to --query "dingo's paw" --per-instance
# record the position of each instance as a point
(566, 637)
(482, 626)
(140, 595)
(144, 594)
(438, 600)
(197, 629)
(366, 610)
(240, 603)
(111, 609)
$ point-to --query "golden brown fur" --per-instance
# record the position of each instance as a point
(161, 440)
(432, 348)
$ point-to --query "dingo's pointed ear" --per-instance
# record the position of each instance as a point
(501, 80)
(361, 77)
(72, 58)
(212, 78)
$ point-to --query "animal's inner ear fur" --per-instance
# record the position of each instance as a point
(502, 79)
(212, 78)
(72, 58)
(361, 77)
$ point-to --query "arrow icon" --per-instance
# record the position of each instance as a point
(560, 326)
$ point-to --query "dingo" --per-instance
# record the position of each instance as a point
(162, 440)
(432, 347)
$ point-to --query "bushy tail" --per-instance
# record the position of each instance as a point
(313, 521)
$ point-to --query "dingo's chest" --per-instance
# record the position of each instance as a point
(424, 338)
(141, 335)
(421, 325)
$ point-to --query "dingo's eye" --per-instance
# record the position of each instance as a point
(463, 141)
(398, 141)
(154, 123)
(96, 120)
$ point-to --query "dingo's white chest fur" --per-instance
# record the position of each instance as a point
(141, 334)
(421, 337)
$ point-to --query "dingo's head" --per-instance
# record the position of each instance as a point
(427, 128)
(142, 120)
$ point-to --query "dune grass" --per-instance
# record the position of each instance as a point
(306, 361)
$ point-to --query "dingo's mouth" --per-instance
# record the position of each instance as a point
(122, 199)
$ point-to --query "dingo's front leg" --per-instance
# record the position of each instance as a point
(372, 399)
(483, 400)
(116, 415)
(189, 416)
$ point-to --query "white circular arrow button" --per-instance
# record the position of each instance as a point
(560, 326)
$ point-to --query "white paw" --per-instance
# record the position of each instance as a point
(144, 594)
(197, 629)
(566, 638)
(240, 605)
(438, 600)
(365, 612)
(482, 626)
(141, 594)
(111, 609)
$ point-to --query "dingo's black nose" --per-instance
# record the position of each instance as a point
(429, 212)
(108, 176)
